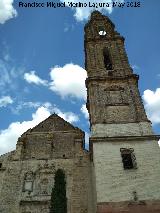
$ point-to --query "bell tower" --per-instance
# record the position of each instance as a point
(113, 96)
(125, 152)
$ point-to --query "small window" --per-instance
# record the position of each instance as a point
(102, 31)
(128, 158)
(0, 165)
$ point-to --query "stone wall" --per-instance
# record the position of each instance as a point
(129, 207)
(27, 174)
(113, 183)
(115, 130)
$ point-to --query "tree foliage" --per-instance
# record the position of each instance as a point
(58, 196)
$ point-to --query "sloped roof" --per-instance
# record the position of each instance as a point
(54, 123)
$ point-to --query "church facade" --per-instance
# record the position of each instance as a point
(121, 171)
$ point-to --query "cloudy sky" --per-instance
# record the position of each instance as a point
(42, 63)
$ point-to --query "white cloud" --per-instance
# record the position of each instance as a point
(7, 11)
(5, 100)
(25, 105)
(69, 81)
(82, 13)
(65, 81)
(9, 136)
(87, 135)
(85, 111)
(31, 77)
(152, 104)
(136, 67)
(68, 116)
(5, 77)
(30, 104)
(9, 73)
(68, 27)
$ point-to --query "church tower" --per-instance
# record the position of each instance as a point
(124, 150)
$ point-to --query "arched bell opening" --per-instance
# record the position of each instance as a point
(107, 59)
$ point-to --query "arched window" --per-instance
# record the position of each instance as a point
(102, 31)
(107, 59)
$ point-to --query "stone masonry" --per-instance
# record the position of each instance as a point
(27, 174)
(121, 171)
(124, 151)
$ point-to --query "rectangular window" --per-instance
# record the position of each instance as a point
(128, 158)
(0, 165)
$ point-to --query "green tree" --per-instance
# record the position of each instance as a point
(58, 195)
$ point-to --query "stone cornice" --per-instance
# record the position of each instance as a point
(52, 132)
(108, 39)
(99, 78)
(124, 138)
(45, 200)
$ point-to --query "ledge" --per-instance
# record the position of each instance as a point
(3, 169)
(36, 199)
(100, 78)
(122, 138)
